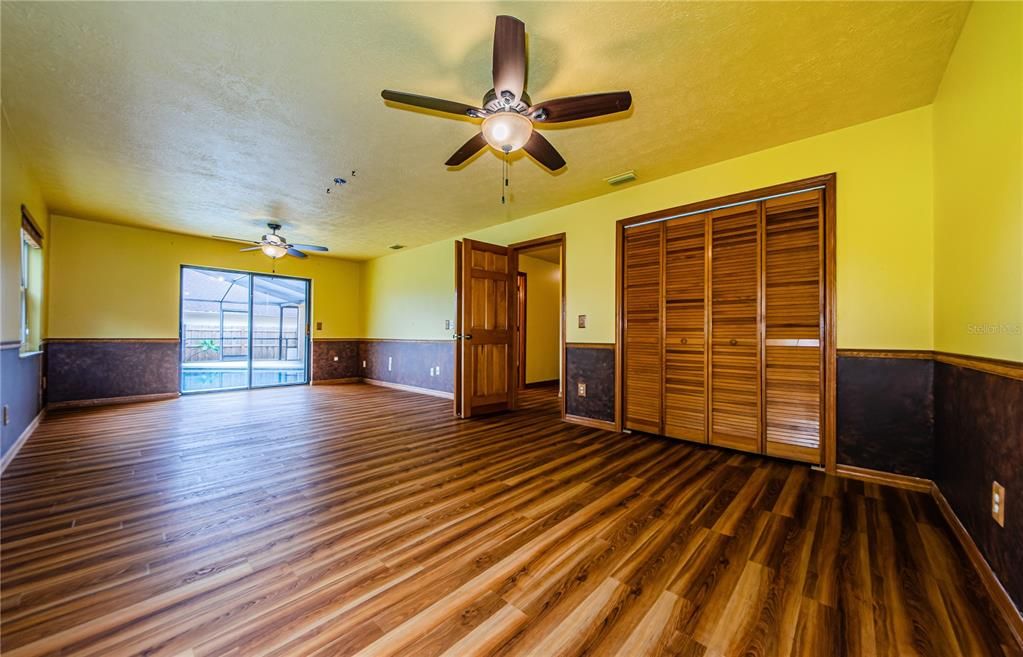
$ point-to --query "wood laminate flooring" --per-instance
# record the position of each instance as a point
(354, 520)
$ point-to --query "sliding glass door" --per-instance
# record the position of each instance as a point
(242, 330)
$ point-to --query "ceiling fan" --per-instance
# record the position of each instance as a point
(509, 117)
(274, 245)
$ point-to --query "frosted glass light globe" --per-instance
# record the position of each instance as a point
(507, 131)
(274, 250)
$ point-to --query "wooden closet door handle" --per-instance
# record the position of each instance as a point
(733, 342)
(685, 340)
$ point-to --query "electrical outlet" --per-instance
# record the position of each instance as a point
(335, 359)
(363, 364)
(389, 361)
(447, 324)
(998, 503)
(582, 321)
(319, 326)
(582, 389)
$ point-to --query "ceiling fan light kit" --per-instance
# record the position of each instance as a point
(275, 246)
(507, 131)
(509, 117)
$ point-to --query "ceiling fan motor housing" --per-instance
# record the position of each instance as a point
(492, 103)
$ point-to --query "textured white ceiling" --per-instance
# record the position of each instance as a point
(208, 118)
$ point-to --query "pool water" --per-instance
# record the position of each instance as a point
(195, 380)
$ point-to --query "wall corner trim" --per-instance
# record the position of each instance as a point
(20, 442)
(999, 596)
(992, 586)
(590, 422)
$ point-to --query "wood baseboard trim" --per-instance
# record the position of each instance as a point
(886, 478)
(20, 442)
(332, 382)
(590, 422)
(1010, 614)
(109, 401)
(401, 386)
(542, 384)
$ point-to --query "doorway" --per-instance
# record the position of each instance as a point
(241, 330)
(488, 343)
(539, 329)
(538, 322)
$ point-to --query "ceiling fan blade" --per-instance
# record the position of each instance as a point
(234, 239)
(308, 247)
(251, 248)
(586, 106)
(509, 56)
(468, 149)
(428, 102)
(296, 253)
(543, 152)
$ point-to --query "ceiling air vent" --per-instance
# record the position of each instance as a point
(621, 178)
(396, 247)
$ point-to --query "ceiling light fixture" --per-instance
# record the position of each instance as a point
(507, 131)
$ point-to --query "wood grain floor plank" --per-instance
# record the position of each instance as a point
(368, 521)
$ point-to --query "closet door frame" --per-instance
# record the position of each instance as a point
(828, 316)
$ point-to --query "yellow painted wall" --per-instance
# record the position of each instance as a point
(543, 318)
(110, 281)
(16, 189)
(884, 238)
(978, 175)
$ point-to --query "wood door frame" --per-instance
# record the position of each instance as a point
(829, 183)
(558, 239)
(457, 405)
(520, 326)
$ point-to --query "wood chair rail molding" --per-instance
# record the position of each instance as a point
(1008, 368)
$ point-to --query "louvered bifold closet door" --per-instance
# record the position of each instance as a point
(793, 312)
(642, 271)
(685, 364)
(734, 328)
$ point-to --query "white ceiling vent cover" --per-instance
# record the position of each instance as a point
(621, 178)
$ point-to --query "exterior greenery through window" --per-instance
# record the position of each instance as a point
(31, 292)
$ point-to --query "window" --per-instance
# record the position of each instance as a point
(31, 284)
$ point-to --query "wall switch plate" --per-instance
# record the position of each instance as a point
(363, 364)
(447, 324)
(582, 389)
(319, 326)
(7, 416)
(582, 321)
(335, 359)
(389, 362)
(998, 503)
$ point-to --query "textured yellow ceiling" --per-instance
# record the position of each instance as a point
(207, 118)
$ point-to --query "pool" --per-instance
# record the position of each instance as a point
(193, 380)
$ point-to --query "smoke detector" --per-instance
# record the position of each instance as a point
(621, 178)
